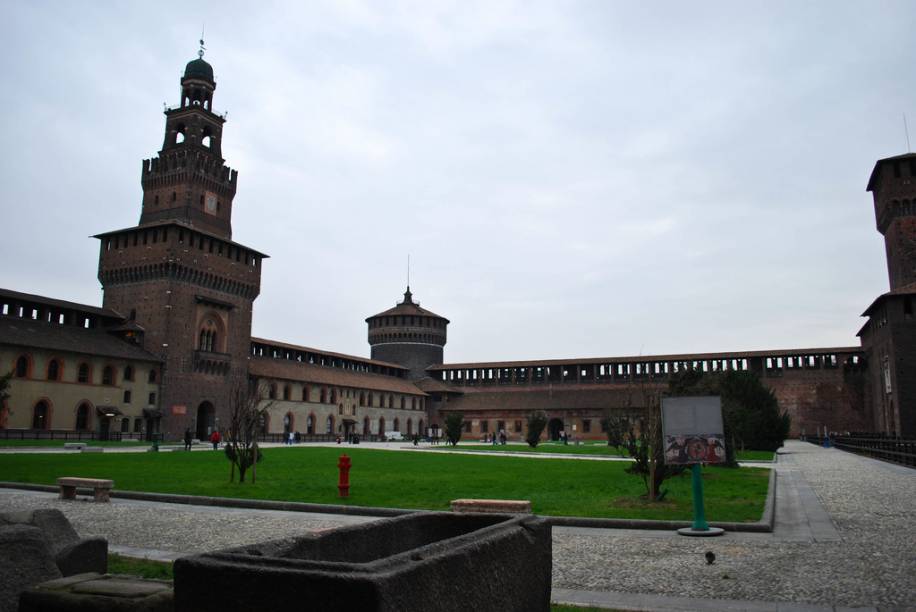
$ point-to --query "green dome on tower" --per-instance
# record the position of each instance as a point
(199, 69)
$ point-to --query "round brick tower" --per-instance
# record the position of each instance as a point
(408, 335)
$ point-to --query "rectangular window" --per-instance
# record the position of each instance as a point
(586, 425)
(518, 427)
(127, 397)
(152, 399)
(467, 427)
(484, 426)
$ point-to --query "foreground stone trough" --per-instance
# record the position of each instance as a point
(434, 561)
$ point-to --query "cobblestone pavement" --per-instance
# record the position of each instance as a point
(860, 552)
(867, 558)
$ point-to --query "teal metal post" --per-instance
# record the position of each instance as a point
(699, 514)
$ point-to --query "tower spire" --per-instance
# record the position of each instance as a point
(200, 52)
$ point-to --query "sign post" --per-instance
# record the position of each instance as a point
(693, 434)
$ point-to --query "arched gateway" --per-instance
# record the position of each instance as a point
(206, 420)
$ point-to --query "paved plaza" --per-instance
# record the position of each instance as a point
(844, 538)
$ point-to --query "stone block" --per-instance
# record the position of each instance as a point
(58, 531)
(426, 561)
(93, 591)
(89, 555)
(25, 560)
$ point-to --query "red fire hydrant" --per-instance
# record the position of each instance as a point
(343, 485)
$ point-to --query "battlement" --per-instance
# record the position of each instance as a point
(180, 163)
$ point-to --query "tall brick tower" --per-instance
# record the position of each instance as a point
(889, 337)
(893, 186)
(408, 335)
(178, 274)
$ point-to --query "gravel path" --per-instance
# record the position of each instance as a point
(870, 562)
(862, 554)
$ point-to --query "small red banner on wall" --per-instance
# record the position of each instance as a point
(179, 409)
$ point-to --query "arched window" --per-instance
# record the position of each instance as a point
(371, 399)
(41, 416)
(366, 426)
(82, 417)
(362, 399)
(151, 379)
(402, 403)
(413, 403)
(391, 401)
(22, 367)
(409, 427)
(329, 428)
(323, 395)
(209, 336)
(54, 370)
(381, 426)
(108, 376)
(125, 425)
(287, 392)
(305, 393)
(83, 375)
(310, 424)
(128, 373)
(397, 424)
(333, 396)
(272, 393)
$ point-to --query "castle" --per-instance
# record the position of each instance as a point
(173, 335)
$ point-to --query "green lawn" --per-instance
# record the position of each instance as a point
(586, 448)
(755, 455)
(144, 568)
(590, 448)
(410, 480)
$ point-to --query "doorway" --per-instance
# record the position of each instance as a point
(206, 415)
(554, 427)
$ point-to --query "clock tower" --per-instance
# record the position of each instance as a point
(185, 285)
(188, 180)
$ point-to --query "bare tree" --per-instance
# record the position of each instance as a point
(247, 413)
(645, 442)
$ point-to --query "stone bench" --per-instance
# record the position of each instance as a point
(510, 506)
(74, 445)
(100, 487)
(92, 449)
(94, 591)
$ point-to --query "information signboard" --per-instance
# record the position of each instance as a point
(692, 427)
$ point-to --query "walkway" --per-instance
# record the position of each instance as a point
(844, 536)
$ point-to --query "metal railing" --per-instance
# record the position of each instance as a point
(67, 434)
(874, 445)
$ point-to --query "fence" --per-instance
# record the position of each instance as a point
(877, 446)
(76, 436)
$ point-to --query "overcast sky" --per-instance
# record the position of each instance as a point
(570, 179)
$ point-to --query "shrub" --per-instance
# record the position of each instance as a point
(537, 421)
(453, 424)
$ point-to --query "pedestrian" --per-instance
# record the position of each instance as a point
(290, 439)
(187, 438)
(215, 439)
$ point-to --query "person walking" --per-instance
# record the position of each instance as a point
(215, 439)
(187, 439)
